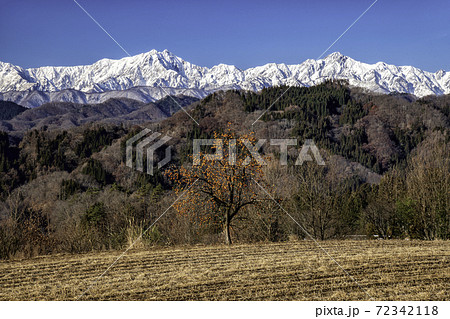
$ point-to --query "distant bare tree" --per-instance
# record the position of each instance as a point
(428, 184)
(317, 201)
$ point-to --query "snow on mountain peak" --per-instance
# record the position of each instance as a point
(440, 73)
(154, 69)
(335, 56)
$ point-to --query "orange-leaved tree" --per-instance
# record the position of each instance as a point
(217, 187)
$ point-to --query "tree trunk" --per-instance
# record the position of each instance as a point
(227, 229)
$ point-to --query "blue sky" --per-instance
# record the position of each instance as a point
(245, 33)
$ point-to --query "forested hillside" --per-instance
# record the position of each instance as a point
(386, 174)
(64, 115)
(8, 110)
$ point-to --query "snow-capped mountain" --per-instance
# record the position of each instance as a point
(150, 71)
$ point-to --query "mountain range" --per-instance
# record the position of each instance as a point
(150, 76)
(64, 115)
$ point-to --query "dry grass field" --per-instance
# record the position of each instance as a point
(388, 270)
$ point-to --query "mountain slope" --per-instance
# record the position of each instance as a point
(8, 110)
(33, 98)
(163, 69)
(63, 115)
